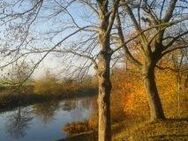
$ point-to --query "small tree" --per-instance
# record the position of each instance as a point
(17, 75)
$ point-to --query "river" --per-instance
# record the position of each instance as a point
(43, 121)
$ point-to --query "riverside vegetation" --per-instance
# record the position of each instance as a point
(129, 105)
(130, 110)
(92, 37)
(46, 88)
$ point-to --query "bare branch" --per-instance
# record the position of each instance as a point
(122, 40)
(174, 48)
(113, 15)
(170, 10)
(175, 39)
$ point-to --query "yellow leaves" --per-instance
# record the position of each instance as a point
(130, 86)
(168, 89)
(131, 89)
(136, 101)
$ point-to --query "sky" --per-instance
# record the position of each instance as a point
(45, 32)
(50, 27)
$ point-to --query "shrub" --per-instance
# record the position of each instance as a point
(47, 85)
(77, 127)
(130, 90)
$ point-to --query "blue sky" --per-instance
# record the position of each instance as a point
(43, 27)
(40, 31)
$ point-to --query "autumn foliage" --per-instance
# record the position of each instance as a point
(129, 87)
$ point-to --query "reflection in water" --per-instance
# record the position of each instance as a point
(81, 110)
(69, 105)
(44, 121)
(78, 127)
(46, 110)
(18, 123)
(86, 103)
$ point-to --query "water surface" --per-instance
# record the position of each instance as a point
(44, 121)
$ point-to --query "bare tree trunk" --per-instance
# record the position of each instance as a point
(156, 110)
(106, 18)
(104, 97)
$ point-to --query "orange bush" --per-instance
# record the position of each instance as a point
(168, 89)
(129, 86)
(76, 127)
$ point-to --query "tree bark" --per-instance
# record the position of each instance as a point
(104, 128)
(104, 57)
(104, 133)
(156, 110)
(103, 68)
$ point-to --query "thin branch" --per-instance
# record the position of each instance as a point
(173, 49)
(168, 24)
(121, 36)
(175, 39)
(162, 7)
(50, 50)
(113, 15)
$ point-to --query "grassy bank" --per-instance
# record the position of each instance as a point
(10, 100)
(135, 125)
(167, 130)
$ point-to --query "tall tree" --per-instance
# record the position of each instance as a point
(62, 18)
(159, 30)
(103, 70)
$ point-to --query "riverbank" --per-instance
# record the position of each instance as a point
(170, 129)
(10, 100)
